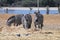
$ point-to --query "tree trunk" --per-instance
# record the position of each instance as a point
(6, 10)
(47, 10)
(59, 9)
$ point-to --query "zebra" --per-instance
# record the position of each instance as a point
(26, 21)
(38, 20)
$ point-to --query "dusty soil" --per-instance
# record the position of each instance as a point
(51, 29)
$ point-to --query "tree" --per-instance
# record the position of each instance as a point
(29, 3)
(3, 2)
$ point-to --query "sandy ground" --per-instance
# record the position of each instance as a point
(51, 29)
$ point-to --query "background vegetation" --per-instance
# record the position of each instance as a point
(29, 3)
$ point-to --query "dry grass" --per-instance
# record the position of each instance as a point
(51, 29)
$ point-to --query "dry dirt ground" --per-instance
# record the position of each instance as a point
(51, 29)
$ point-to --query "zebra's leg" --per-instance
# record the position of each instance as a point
(23, 26)
(36, 27)
(41, 26)
(35, 24)
(16, 24)
(29, 26)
